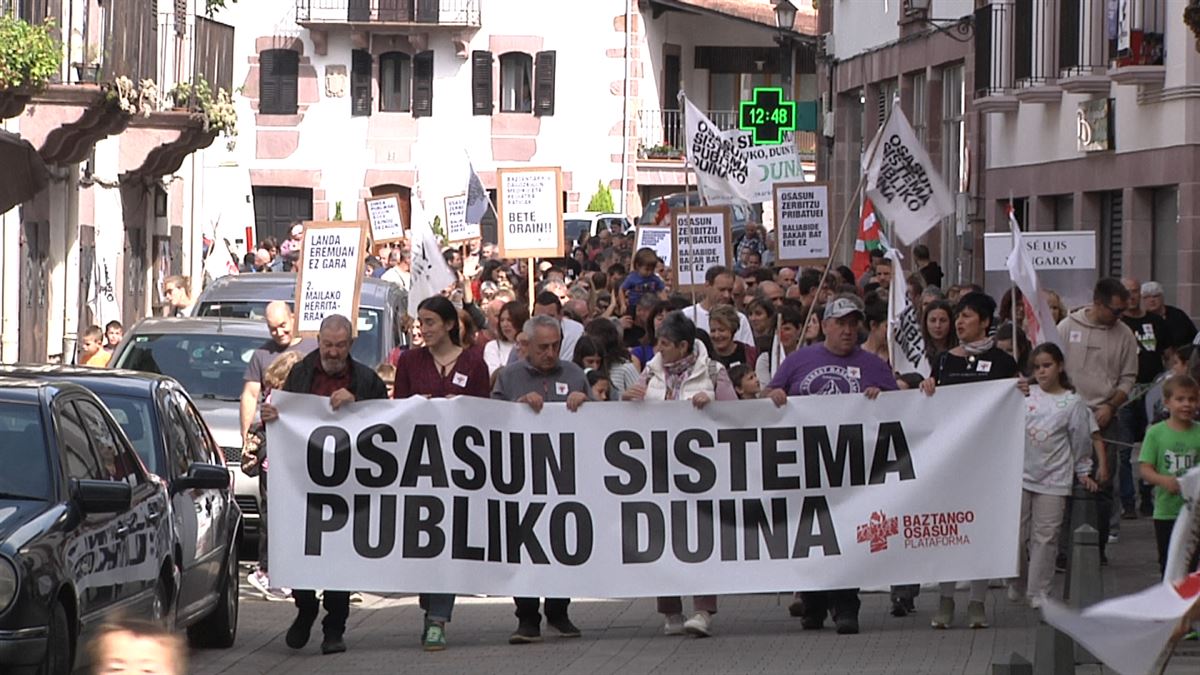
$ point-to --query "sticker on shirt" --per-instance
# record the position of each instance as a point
(561, 388)
(983, 367)
(460, 379)
(1076, 336)
(854, 372)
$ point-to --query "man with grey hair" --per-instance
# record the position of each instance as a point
(542, 378)
(1180, 329)
(329, 371)
(399, 270)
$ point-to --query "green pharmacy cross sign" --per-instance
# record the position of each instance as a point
(767, 115)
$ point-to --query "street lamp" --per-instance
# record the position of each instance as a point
(961, 29)
(785, 18)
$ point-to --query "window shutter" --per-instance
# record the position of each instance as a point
(268, 82)
(543, 84)
(422, 105)
(481, 82)
(287, 66)
(360, 83)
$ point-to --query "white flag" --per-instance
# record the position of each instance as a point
(1039, 320)
(477, 197)
(728, 166)
(906, 342)
(902, 183)
(430, 274)
(102, 296)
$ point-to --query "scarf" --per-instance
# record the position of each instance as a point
(979, 346)
(675, 373)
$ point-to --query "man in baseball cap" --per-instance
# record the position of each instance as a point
(836, 366)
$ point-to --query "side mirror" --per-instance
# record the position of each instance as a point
(103, 496)
(203, 477)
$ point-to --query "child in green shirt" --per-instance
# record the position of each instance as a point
(1169, 449)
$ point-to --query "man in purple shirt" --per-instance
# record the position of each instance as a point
(836, 366)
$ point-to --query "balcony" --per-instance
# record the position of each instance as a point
(391, 14)
(995, 25)
(1083, 47)
(661, 134)
(1033, 66)
(1140, 45)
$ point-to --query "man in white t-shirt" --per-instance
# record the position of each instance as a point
(718, 290)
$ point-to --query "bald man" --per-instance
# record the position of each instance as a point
(280, 323)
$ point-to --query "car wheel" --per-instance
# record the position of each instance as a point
(219, 629)
(162, 610)
(60, 648)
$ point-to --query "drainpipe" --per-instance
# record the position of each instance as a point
(71, 299)
(625, 107)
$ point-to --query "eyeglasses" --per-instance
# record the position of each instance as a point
(1116, 311)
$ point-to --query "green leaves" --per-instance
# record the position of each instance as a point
(29, 55)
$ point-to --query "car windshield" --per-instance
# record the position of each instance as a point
(575, 228)
(366, 346)
(137, 421)
(23, 455)
(211, 365)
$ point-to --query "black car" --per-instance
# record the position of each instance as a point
(84, 527)
(173, 442)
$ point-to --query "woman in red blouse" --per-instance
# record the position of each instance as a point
(440, 369)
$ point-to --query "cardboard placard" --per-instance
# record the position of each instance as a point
(801, 223)
(530, 223)
(700, 243)
(387, 221)
(655, 237)
(330, 274)
(457, 227)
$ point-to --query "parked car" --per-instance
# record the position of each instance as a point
(741, 213)
(82, 527)
(380, 308)
(592, 222)
(207, 356)
(173, 443)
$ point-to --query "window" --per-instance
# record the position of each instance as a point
(278, 81)
(360, 83)
(395, 82)
(198, 445)
(954, 171)
(422, 103)
(177, 443)
(114, 464)
(1165, 261)
(516, 82)
(920, 108)
(81, 464)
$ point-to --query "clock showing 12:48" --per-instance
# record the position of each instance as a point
(767, 115)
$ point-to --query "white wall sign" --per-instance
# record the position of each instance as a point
(657, 238)
(801, 222)
(1049, 250)
(701, 241)
(457, 227)
(387, 223)
(530, 218)
(330, 277)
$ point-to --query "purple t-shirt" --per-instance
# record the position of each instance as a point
(815, 370)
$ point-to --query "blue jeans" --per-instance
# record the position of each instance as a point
(437, 606)
(1131, 425)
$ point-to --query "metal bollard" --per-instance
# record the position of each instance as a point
(1053, 652)
(1015, 664)
(1081, 511)
(1087, 587)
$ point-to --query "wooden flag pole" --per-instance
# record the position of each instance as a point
(531, 285)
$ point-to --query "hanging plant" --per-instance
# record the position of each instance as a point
(1191, 17)
(29, 55)
(219, 113)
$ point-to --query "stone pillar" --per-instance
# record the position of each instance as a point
(1137, 228)
(1187, 294)
(1041, 213)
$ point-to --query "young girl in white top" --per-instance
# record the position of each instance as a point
(1060, 437)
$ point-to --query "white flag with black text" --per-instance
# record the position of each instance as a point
(430, 273)
(902, 183)
(906, 342)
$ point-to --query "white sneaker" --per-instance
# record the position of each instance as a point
(259, 580)
(1036, 601)
(274, 594)
(699, 625)
(1015, 595)
(673, 625)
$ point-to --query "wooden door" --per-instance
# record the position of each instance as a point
(35, 295)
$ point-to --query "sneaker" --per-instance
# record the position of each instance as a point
(812, 622)
(333, 644)
(673, 625)
(898, 608)
(945, 614)
(300, 630)
(434, 639)
(259, 581)
(277, 594)
(356, 598)
(846, 625)
(526, 633)
(1114, 537)
(976, 616)
(1015, 595)
(564, 627)
(1036, 601)
(699, 625)
(910, 604)
(1192, 636)
(1060, 563)
(796, 609)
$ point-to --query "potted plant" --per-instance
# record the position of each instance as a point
(220, 115)
(663, 152)
(181, 95)
(89, 70)
(29, 55)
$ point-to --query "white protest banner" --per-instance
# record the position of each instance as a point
(330, 273)
(530, 217)
(387, 222)
(801, 223)
(902, 182)
(657, 238)
(906, 342)
(728, 164)
(473, 495)
(458, 228)
(701, 240)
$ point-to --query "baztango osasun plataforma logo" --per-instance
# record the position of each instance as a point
(919, 530)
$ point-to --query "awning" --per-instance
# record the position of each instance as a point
(23, 174)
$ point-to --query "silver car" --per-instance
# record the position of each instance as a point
(208, 356)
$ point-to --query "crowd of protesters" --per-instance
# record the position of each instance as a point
(605, 323)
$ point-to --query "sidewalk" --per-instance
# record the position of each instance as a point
(753, 634)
